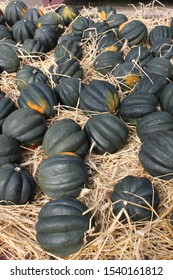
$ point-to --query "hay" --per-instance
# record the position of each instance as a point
(111, 239)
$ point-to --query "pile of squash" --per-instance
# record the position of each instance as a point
(141, 95)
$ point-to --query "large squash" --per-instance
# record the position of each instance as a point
(17, 185)
(22, 30)
(62, 225)
(156, 154)
(14, 11)
(39, 97)
(106, 133)
(52, 19)
(65, 135)
(48, 36)
(63, 174)
(136, 198)
(99, 96)
(10, 151)
(25, 125)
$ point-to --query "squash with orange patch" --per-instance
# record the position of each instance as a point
(39, 97)
(106, 11)
(14, 11)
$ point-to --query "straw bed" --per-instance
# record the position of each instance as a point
(110, 239)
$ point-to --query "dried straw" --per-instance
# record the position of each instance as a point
(110, 239)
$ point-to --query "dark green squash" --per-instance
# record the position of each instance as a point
(14, 11)
(68, 91)
(137, 105)
(156, 155)
(161, 66)
(98, 29)
(47, 35)
(80, 24)
(135, 197)
(106, 61)
(25, 125)
(159, 32)
(7, 106)
(151, 83)
(154, 122)
(2, 18)
(5, 32)
(68, 13)
(106, 133)
(63, 174)
(17, 185)
(10, 151)
(68, 49)
(62, 225)
(65, 68)
(29, 74)
(52, 19)
(34, 48)
(108, 44)
(70, 36)
(115, 20)
(163, 48)
(166, 98)
(127, 75)
(106, 11)
(134, 31)
(39, 97)
(9, 60)
(140, 54)
(33, 15)
(22, 30)
(99, 96)
(65, 135)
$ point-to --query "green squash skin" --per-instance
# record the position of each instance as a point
(160, 66)
(80, 24)
(70, 36)
(156, 155)
(152, 83)
(52, 19)
(14, 11)
(115, 20)
(68, 13)
(33, 15)
(5, 33)
(152, 123)
(10, 151)
(63, 174)
(34, 48)
(7, 106)
(106, 11)
(105, 62)
(29, 74)
(163, 48)
(166, 98)
(68, 49)
(159, 32)
(98, 29)
(68, 91)
(140, 55)
(47, 35)
(99, 96)
(66, 68)
(133, 194)
(135, 32)
(106, 44)
(39, 97)
(9, 60)
(108, 133)
(61, 226)
(137, 105)
(17, 185)
(65, 136)
(22, 30)
(25, 125)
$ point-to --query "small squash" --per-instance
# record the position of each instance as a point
(22, 30)
(156, 154)
(62, 225)
(106, 133)
(106, 11)
(135, 197)
(17, 185)
(99, 96)
(159, 32)
(140, 54)
(10, 151)
(29, 74)
(68, 13)
(39, 97)
(96, 30)
(63, 174)
(25, 125)
(80, 24)
(14, 11)
(115, 20)
(33, 15)
(65, 135)
(52, 19)
(137, 105)
(108, 44)
(161, 66)
(47, 35)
